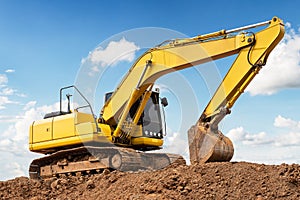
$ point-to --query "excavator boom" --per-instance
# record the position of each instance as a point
(252, 49)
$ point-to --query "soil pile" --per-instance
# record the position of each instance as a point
(238, 180)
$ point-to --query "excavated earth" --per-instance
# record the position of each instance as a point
(230, 180)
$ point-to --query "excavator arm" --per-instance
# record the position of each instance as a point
(247, 64)
(252, 49)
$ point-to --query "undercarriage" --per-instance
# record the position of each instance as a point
(88, 159)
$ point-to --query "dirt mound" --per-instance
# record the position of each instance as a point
(239, 180)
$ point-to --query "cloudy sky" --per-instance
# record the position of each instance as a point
(45, 45)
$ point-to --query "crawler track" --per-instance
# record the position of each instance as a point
(90, 159)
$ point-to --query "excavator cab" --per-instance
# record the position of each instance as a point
(152, 119)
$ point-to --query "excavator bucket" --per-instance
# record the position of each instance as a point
(206, 145)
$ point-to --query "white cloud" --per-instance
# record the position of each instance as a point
(7, 91)
(115, 52)
(288, 25)
(21, 95)
(95, 69)
(3, 80)
(288, 139)
(289, 134)
(286, 122)
(7, 119)
(5, 143)
(240, 135)
(280, 146)
(29, 105)
(3, 101)
(10, 71)
(255, 139)
(4, 92)
(4, 89)
(14, 140)
(17, 131)
(16, 169)
(282, 70)
(176, 143)
(13, 169)
(171, 137)
(13, 165)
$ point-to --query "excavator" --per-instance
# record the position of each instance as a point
(131, 124)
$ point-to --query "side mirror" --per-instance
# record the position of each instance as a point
(164, 101)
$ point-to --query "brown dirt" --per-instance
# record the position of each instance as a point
(239, 180)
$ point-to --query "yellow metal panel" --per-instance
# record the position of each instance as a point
(137, 131)
(63, 126)
(83, 117)
(105, 130)
(85, 128)
(42, 130)
(64, 142)
(147, 141)
(30, 133)
(130, 102)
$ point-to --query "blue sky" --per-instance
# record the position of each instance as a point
(43, 43)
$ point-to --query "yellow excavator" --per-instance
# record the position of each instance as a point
(131, 122)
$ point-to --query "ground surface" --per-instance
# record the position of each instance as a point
(239, 180)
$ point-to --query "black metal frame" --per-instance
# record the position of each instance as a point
(77, 90)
